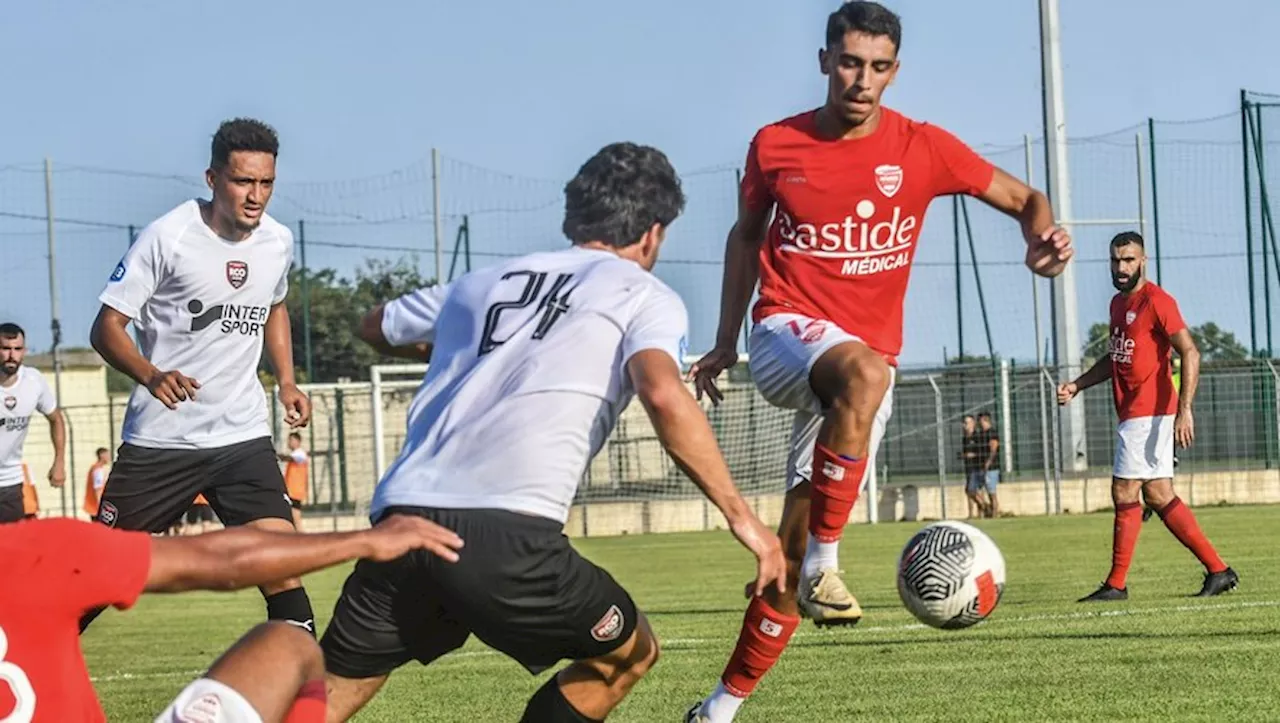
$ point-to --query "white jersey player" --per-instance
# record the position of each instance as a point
(205, 286)
(531, 364)
(23, 393)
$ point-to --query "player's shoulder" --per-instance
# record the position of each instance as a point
(900, 124)
(31, 375)
(800, 126)
(168, 229)
(272, 229)
(1155, 291)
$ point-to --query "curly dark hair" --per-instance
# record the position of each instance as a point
(242, 134)
(1124, 238)
(619, 194)
(864, 17)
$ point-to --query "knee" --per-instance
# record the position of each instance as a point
(1125, 491)
(301, 646)
(866, 382)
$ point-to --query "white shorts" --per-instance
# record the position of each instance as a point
(782, 350)
(1144, 448)
(209, 701)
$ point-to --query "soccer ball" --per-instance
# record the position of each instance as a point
(950, 575)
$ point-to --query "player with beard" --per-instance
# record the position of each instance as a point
(850, 183)
(205, 286)
(23, 391)
(1145, 326)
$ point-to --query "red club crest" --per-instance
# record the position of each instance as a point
(237, 273)
(889, 180)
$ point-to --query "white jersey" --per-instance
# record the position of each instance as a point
(200, 304)
(29, 394)
(527, 378)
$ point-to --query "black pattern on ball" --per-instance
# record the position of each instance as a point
(937, 561)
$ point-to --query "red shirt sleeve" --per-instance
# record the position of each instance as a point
(956, 167)
(95, 565)
(1168, 317)
(756, 194)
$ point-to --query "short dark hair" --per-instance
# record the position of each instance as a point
(1124, 238)
(242, 134)
(984, 415)
(100, 451)
(10, 330)
(619, 193)
(295, 435)
(859, 16)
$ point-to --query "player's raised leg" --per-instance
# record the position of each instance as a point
(274, 673)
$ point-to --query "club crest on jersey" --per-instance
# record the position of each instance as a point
(889, 180)
(610, 626)
(237, 273)
(10, 403)
(1129, 316)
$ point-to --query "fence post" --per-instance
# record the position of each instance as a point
(1054, 441)
(339, 421)
(1275, 397)
(1248, 221)
(375, 405)
(1006, 417)
(942, 445)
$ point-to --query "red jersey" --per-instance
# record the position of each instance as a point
(54, 571)
(848, 216)
(1142, 325)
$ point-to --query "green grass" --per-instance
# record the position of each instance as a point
(1159, 656)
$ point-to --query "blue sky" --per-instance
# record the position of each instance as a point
(532, 89)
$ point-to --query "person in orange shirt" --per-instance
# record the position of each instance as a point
(201, 514)
(95, 481)
(30, 500)
(296, 467)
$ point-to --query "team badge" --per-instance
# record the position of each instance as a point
(889, 180)
(108, 514)
(1129, 316)
(118, 274)
(237, 273)
(610, 626)
(10, 403)
(205, 709)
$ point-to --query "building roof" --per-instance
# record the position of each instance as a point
(71, 359)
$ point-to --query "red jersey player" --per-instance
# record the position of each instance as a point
(1145, 326)
(56, 569)
(850, 183)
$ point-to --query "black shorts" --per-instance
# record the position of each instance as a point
(11, 507)
(200, 513)
(518, 586)
(295, 504)
(150, 489)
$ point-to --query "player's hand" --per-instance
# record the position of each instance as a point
(1184, 429)
(771, 566)
(398, 535)
(172, 387)
(1049, 252)
(703, 373)
(1067, 392)
(297, 406)
(58, 473)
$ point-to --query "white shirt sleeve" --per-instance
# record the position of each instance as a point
(46, 403)
(411, 319)
(99, 478)
(298, 455)
(661, 322)
(136, 276)
(282, 284)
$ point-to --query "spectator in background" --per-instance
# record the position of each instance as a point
(990, 440)
(95, 481)
(973, 452)
(296, 467)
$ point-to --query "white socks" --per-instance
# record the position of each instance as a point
(721, 706)
(819, 556)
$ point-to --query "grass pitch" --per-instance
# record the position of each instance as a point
(1041, 656)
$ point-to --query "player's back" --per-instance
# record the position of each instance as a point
(526, 381)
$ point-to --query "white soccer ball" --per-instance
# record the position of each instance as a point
(950, 575)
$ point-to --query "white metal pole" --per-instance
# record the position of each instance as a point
(55, 318)
(1035, 310)
(1006, 418)
(375, 403)
(942, 446)
(1057, 466)
(1064, 286)
(435, 211)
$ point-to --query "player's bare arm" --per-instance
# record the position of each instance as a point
(1184, 426)
(1048, 245)
(685, 433)
(741, 271)
(279, 343)
(58, 435)
(1097, 374)
(110, 338)
(370, 332)
(242, 557)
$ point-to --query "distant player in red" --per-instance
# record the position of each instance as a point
(850, 183)
(56, 569)
(1145, 327)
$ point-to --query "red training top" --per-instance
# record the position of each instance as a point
(1142, 325)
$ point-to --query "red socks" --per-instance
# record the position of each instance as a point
(1178, 518)
(309, 707)
(834, 490)
(764, 636)
(1125, 538)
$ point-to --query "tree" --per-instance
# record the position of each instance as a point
(337, 305)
